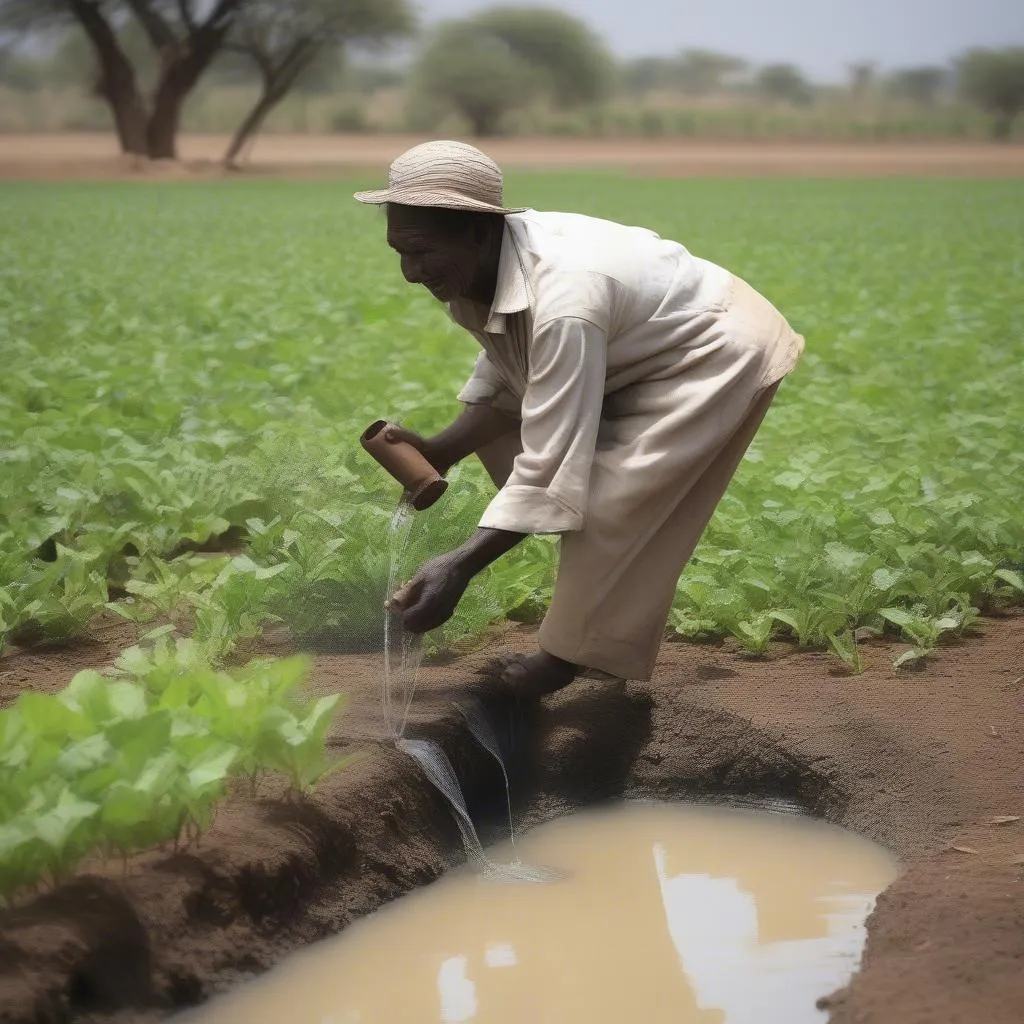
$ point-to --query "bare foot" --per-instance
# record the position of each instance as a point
(531, 675)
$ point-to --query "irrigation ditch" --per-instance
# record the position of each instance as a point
(928, 765)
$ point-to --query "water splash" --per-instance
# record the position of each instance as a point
(403, 656)
(480, 728)
(436, 766)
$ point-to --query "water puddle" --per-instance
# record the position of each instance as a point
(688, 914)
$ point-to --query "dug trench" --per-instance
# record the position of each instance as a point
(928, 764)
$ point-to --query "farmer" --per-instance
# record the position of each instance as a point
(621, 380)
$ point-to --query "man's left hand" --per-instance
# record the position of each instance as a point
(430, 598)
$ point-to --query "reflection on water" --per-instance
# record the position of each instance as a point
(670, 913)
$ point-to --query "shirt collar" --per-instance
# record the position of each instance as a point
(513, 293)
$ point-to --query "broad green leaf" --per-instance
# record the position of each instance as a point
(48, 718)
(84, 756)
(212, 769)
(56, 826)
(1015, 579)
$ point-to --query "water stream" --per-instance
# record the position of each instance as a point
(403, 656)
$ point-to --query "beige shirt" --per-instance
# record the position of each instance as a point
(583, 308)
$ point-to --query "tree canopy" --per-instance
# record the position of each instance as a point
(285, 41)
(783, 83)
(489, 65)
(183, 38)
(994, 80)
(922, 85)
(692, 72)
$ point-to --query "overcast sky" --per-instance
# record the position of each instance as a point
(822, 36)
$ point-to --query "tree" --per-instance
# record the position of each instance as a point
(702, 72)
(862, 78)
(645, 74)
(474, 73)
(184, 40)
(695, 72)
(285, 42)
(486, 66)
(784, 83)
(557, 47)
(994, 80)
(919, 85)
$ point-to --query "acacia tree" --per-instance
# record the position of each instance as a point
(185, 35)
(486, 66)
(702, 72)
(921, 85)
(784, 83)
(994, 80)
(862, 77)
(285, 41)
(693, 72)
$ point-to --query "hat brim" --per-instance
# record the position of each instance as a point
(436, 200)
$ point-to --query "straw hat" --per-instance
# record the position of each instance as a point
(450, 175)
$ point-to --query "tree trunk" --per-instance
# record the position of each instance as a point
(116, 78)
(182, 69)
(128, 110)
(162, 130)
(277, 83)
(483, 120)
(1002, 126)
(253, 120)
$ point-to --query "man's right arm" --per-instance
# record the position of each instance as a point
(476, 426)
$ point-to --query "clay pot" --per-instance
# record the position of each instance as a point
(423, 484)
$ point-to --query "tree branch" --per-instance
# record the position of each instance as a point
(255, 54)
(97, 29)
(160, 34)
(224, 11)
(187, 18)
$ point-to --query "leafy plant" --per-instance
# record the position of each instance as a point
(111, 765)
(846, 648)
(157, 400)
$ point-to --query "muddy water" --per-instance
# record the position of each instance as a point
(670, 913)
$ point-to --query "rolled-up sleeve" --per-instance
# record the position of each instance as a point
(561, 412)
(486, 386)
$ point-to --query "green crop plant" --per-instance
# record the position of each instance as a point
(116, 763)
(160, 399)
(1012, 580)
(925, 629)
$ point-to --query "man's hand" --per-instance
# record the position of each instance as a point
(477, 426)
(429, 599)
(433, 453)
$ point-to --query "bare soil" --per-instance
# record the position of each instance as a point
(95, 156)
(923, 763)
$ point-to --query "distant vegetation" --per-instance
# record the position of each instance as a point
(147, 68)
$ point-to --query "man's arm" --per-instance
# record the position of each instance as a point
(430, 598)
(475, 427)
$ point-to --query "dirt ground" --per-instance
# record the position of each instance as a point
(924, 763)
(94, 155)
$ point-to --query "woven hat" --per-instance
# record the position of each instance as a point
(450, 175)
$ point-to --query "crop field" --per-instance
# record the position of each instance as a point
(186, 369)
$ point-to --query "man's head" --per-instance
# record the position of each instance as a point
(453, 253)
(445, 218)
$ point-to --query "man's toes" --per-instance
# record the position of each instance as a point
(494, 668)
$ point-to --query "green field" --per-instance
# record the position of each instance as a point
(189, 367)
(180, 360)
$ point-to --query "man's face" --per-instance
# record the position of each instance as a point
(446, 263)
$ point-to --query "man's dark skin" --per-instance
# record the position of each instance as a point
(455, 256)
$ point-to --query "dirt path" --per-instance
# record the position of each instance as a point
(922, 763)
(94, 155)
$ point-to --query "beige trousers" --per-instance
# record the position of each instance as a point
(666, 452)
